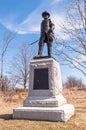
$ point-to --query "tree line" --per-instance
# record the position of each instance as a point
(72, 82)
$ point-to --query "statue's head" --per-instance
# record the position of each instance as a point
(45, 14)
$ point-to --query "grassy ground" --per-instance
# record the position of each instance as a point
(10, 101)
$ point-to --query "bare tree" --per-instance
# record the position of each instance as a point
(85, 13)
(74, 82)
(8, 37)
(73, 48)
(20, 64)
(5, 82)
(13, 82)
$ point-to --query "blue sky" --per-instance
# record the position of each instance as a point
(24, 17)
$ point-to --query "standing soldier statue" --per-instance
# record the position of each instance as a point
(47, 34)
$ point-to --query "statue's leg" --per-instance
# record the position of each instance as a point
(49, 45)
(41, 44)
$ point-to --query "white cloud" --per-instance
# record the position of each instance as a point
(32, 23)
(57, 1)
(81, 59)
(78, 60)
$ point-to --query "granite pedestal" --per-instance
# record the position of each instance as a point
(45, 100)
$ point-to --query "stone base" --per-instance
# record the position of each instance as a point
(62, 113)
(44, 101)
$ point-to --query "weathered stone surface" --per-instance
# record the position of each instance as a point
(44, 101)
(55, 83)
(51, 97)
(62, 113)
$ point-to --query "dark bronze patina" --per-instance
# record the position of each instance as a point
(41, 79)
(47, 34)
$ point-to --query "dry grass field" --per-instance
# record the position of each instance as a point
(11, 100)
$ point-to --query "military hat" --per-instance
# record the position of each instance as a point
(45, 13)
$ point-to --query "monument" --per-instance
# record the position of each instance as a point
(45, 100)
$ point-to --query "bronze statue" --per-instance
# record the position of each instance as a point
(47, 34)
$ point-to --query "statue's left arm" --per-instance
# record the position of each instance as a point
(51, 24)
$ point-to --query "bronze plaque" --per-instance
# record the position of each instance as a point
(41, 79)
